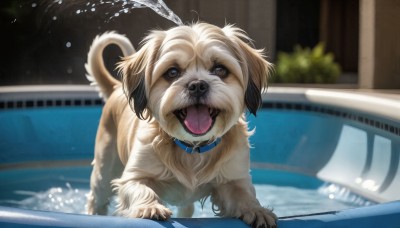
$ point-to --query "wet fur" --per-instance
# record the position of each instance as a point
(135, 156)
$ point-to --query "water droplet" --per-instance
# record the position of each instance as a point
(116, 14)
(93, 9)
(54, 18)
(78, 11)
(68, 44)
(34, 5)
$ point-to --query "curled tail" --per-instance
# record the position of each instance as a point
(97, 73)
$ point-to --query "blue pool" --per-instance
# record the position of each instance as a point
(313, 160)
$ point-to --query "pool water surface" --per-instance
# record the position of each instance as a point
(65, 190)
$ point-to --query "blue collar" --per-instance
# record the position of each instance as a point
(200, 149)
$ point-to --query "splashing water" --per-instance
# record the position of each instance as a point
(286, 201)
(119, 7)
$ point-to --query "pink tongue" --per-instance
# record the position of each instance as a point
(198, 119)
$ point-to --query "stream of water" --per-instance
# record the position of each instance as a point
(115, 8)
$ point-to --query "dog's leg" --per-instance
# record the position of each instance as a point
(136, 199)
(106, 167)
(238, 199)
(186, 211)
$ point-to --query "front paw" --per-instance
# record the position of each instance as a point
(156, 212)
(259, 217)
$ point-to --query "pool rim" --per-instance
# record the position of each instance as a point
(376, 109)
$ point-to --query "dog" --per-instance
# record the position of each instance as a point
(174, 130)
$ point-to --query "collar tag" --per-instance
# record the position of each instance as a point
(201, 149)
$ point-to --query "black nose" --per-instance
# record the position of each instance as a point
(198, 88)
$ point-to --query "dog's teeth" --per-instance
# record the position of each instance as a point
(183, 113)
(213, 112)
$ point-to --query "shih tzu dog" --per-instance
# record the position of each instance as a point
(186, 138)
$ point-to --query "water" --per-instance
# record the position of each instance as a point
(115, 8)
(285, 201)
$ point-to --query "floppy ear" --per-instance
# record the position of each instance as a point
(259, 70)
(255, 68)
(136, 71)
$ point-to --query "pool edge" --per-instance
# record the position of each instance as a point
(381, 215)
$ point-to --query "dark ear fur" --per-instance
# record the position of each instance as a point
(138, 98)
(252, 98)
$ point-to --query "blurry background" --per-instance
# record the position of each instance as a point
(46, 41)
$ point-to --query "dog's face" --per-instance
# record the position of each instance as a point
(196, 81)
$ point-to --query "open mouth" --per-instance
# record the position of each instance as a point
(197, 119)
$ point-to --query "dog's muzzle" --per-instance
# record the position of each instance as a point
(197, 119)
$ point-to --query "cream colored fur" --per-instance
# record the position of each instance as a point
(135, 156)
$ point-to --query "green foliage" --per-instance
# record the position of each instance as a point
(306, 65)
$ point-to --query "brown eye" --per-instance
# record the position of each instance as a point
(172, 73)
(220, 71)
